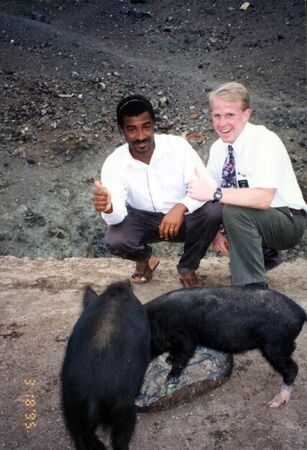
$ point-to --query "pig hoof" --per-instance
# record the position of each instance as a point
(279, 399)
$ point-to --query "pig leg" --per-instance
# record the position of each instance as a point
(82, 430)
(282, 397)
(279, 356)
(123, 423)
(182, 350)
(87, 440)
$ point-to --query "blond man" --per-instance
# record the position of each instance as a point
(262, 203)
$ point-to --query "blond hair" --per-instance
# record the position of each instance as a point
(232, 91)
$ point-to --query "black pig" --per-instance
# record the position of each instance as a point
(229, 319)
(104, 366)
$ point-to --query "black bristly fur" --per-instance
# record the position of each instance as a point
(104, 366)
(228, 319)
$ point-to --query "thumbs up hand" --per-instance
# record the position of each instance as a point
(199, 188)
(102, 199)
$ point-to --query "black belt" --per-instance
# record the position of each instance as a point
(298, 212)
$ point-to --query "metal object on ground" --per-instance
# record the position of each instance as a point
(207, 370)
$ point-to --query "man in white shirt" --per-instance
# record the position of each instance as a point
(265, 207)
(143, 196)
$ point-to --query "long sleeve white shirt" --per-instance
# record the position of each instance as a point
(261, 159)
(156, 186)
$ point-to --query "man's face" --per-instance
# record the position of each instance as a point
(228, 118)
(139, 134)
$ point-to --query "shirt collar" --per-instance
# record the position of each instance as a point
(158, 152)
(241, 140)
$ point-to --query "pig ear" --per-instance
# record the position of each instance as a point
(89, 296)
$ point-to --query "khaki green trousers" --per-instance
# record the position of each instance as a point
(248, 230)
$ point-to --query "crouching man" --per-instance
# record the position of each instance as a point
(143, 196)
(263, 206)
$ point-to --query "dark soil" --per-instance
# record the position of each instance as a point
(64, 65)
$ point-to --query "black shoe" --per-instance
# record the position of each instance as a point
(272, 258)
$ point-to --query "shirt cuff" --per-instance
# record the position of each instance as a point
(114, 217)
(191, 204)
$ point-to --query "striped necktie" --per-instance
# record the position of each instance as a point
(229, 177)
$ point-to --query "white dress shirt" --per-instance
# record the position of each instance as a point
(261, 159)
(156, 186)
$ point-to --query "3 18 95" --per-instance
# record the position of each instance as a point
(30, 414)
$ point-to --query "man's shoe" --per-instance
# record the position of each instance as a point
(272, 258)
(144, 270)
(189, 279)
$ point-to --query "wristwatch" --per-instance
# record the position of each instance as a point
(217, 195)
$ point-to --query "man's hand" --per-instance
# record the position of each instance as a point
(102, 199)
(172, 221)
(200, 189)
(220, 243)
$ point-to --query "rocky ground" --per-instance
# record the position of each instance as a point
(64, 65)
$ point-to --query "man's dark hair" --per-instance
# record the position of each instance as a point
(133, 105)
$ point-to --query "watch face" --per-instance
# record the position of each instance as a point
(217, 194)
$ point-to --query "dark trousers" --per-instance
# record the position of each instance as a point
(248, 230)
(130, 238)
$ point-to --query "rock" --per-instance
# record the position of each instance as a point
(163, 101)
(244, 6)
(207, 370)
(194, 137)
(31, 160)
(32, 219)
(57, 232)
(138, 14)
(38, 16)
